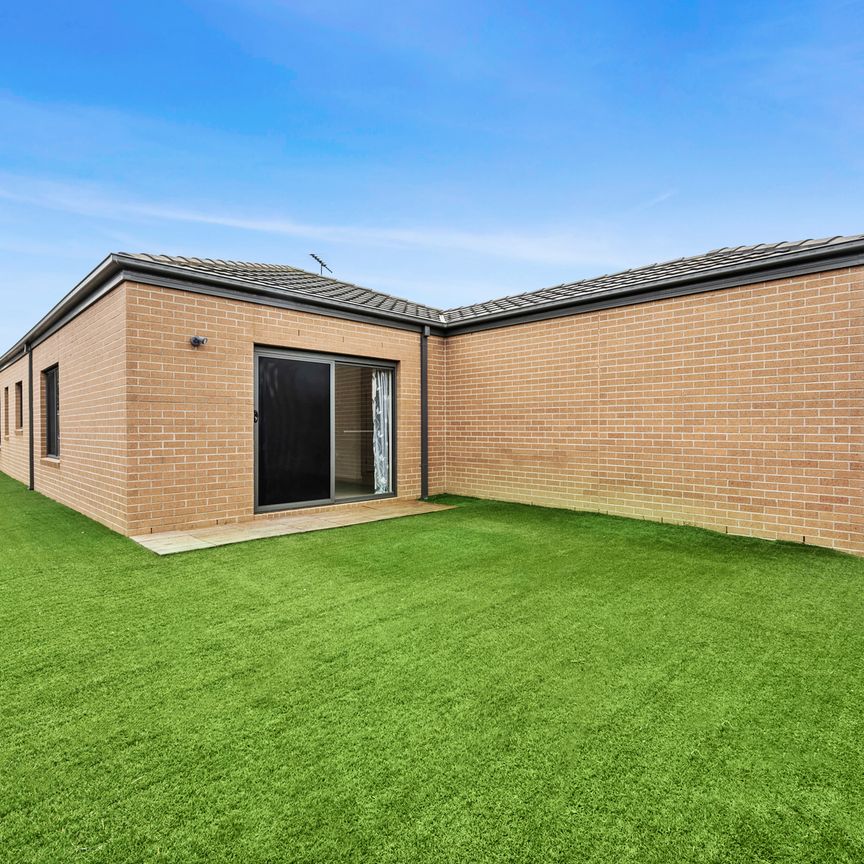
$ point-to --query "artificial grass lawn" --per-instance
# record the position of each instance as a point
(491, 683)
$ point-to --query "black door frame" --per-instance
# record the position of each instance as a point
(332, 360)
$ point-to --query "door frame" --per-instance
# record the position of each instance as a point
(332, 360)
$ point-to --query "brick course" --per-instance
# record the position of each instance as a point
(14, 443)
(191, 457)
(437, 379)
(739, 410)
(90, 474)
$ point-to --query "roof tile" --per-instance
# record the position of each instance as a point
(295, 281)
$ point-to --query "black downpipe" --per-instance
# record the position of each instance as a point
(424, 413)
(32, 484)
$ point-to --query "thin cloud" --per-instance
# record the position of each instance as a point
(556, 247)
(653, 202)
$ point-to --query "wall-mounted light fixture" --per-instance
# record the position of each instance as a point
(198, 341)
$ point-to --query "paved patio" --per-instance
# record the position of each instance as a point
(296, 522)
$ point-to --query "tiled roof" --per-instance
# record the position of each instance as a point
(645, 277)
(717, 263)
(295, 281)
(717, 269)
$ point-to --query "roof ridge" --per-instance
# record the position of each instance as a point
(227, 262)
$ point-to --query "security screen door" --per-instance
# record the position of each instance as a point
(323, 430)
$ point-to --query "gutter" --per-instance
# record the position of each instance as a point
(144, 267)
(31, 434)
(67, 305)
(117, 268)
(793, 264)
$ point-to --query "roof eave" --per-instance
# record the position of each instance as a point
(840, 256)
(130, 269)
(118, 267)
(91, 283)
(182, 273)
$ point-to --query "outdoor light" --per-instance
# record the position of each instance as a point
(198, 341)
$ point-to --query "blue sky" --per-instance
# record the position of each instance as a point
(449, 152)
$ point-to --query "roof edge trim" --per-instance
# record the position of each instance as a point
(118, 267)
(648, 294)
(185, 275)
(66, 307)
(834, 254)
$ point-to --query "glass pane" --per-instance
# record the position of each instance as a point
(52, 410)
(355, 467)
(293, 431)
(363, 431)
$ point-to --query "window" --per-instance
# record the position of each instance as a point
(19, 405)
(51, 390)
(6, 411)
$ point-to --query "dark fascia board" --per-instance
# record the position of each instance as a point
(118, 268)
(298, 300)
(849, 255)
(73, 303)
(278, 298)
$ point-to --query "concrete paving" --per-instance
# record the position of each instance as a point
(295, 522)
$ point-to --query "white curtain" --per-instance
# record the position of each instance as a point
(382, 384)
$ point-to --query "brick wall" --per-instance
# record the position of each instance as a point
(90, 473)
(737, 410)
(14, 443)
(191, 458)
(437, 382)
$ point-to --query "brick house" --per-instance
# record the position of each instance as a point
(723, 390)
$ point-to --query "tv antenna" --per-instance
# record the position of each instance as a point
(323, 265)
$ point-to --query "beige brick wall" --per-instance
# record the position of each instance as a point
(190, 410)
(737, 410)
(14, 443)
(437, 382)
(90, 474)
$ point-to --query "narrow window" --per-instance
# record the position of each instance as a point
(51, 386)
(19, 405)
(6, 411)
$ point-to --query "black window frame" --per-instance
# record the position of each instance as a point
(332, 359)
(51, 389)
(19, 406)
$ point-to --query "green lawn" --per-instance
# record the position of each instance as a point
(490, 683)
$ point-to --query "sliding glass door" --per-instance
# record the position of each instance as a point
(323, 429)
(363, 430)
(293, 431)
